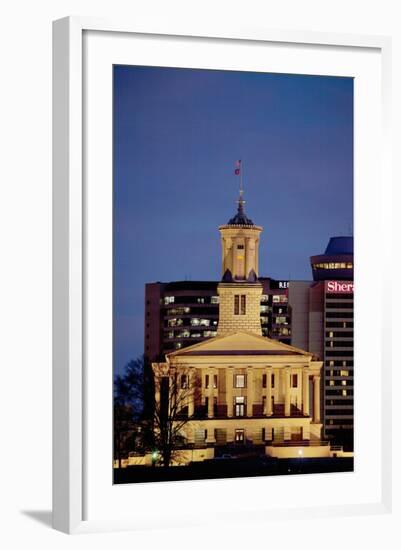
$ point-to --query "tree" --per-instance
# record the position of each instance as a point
(176, 392)
(128, 408)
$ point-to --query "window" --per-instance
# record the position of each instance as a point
(294, 381)
(239, 304)
(195, 322)
(331, 383)
(239, 380)
(264, 309)
(280, 299)
(201, 300)
(344, 373)
(281, 321)
(206, 381)
(239, 436)
(264, 298)
(214, 300)
(240, 247)
(178, 311)
(184, 381)
(204, 322)
(239, 406)
(215, 380)
(344, 392)
(272, 380)
(168, 300)
(264, 380)
(343, 382)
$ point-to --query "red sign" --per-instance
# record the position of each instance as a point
(340, 287)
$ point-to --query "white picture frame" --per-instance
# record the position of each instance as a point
(70, 258)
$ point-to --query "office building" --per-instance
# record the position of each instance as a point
(323, 323)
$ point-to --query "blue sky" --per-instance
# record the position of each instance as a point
(177, 135)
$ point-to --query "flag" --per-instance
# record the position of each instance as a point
(237, 170)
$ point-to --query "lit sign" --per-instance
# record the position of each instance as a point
(279, 284)
(339, 287)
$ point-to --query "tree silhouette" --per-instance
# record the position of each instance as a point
(128, 407)
(175, 389)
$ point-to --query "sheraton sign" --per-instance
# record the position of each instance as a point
(340, 287)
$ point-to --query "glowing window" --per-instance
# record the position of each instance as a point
(240, 380)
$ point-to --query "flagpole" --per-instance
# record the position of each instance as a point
(241, 182)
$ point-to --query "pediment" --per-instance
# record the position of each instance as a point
(240, 343)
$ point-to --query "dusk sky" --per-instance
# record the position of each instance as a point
(177, 135)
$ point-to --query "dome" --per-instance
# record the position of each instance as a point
(240, 217)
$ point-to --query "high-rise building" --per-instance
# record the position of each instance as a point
(323, 323)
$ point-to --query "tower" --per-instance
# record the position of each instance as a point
(240, 290)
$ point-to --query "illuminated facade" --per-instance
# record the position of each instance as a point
(323, 323)
(247, 388)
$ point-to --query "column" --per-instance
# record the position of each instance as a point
(229, 391)
(257, 256)
(210, 412)
(287, 402)
(249, 391)
(189, 432)
(191, 394)
(268, 411)
(305, 392)
(316, 399)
